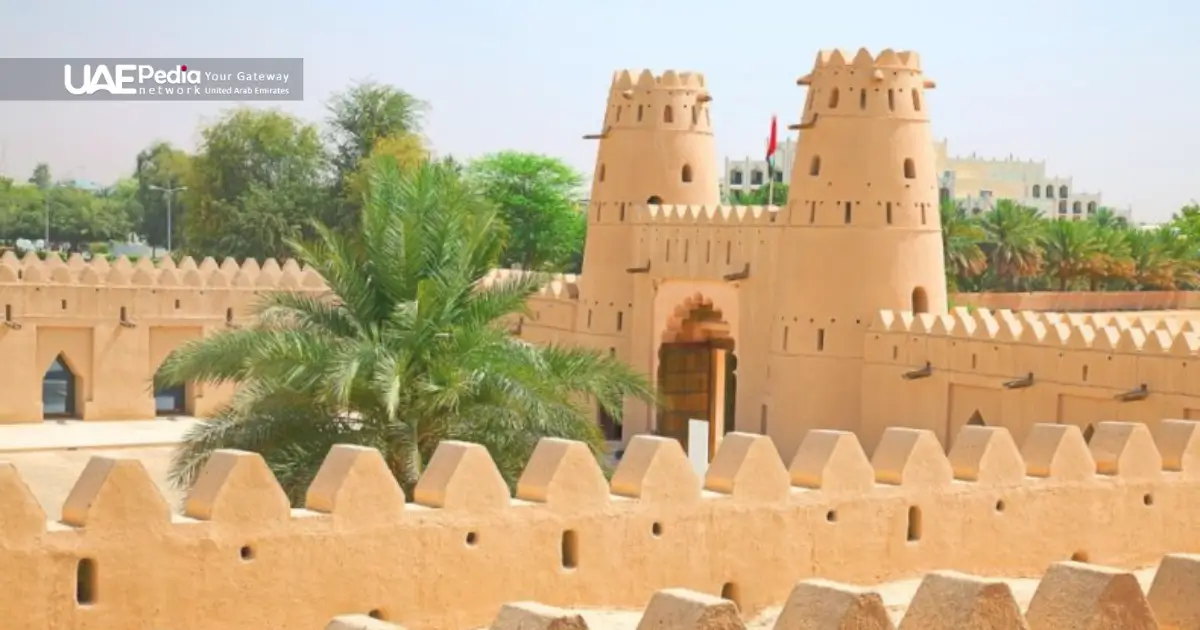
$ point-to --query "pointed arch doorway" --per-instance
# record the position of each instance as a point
(60, 388)
(697, 375)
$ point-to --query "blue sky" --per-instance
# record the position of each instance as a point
(1104, 91)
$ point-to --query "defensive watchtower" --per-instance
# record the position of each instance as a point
(656, 147)
(863, 230)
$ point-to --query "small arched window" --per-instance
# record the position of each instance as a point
(639, 113)
(1062, 192)
(916, 98)
(686, 175)
(668, 114)
(892, 100)
(600, 176)
(654, 200)
(1091, 207)
(862, 99)
(695, 115)
(1037, 191)
(814, 168)
(833, 99)
(910, 169)
(618, 117)
(920, 300)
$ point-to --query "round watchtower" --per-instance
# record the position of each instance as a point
(656, 147)
(863, 228)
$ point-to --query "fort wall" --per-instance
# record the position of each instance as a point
(1017, 369)
(238, 556)
(1070, 595)
(112, 324)
(1083, 301)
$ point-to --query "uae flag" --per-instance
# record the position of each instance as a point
(771, 150)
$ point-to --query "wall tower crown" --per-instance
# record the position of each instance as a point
(656, 148)
(889, 85)
(672, 101)
(656, 141)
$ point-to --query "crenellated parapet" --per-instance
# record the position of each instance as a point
(551, 311)
(557, 286)
(1070, 594)
(1013, 369)
(1149, 336)
(165, 273)
(672, 100)
(749, 530)
(719, 216)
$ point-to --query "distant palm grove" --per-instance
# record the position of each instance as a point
(1012, 248)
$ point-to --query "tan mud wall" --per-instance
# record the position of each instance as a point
(1082, 301)
(113, 324)
(1082, 366)
(239, 557)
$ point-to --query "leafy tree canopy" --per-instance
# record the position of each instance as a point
(539, 199)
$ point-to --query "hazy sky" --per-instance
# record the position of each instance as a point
(1105, 91)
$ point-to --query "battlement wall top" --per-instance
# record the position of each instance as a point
(557, 286)
(714, 215)
(987, 507)
(1070, 594)
(250, 274)
(887, 58)
(646, 80)
(565, 476)
(1150, 334)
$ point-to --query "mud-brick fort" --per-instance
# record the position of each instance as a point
(913, 439)
(830, 312)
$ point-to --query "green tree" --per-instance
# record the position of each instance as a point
(539, 199)
(406, 351)
(1069, 247)
(367, 120)
(405, 149)
(41, 176)
(163, 166)
(365, 114)
(22, 212)
(760, 196)
(1111, 264)
(258, 180)
(961, 236)
(1013, 248)
(80, 216)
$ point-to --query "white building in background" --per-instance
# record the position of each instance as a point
(975, 183)
(751, 173)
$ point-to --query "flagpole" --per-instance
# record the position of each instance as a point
(771, 164)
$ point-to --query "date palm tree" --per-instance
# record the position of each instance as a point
(1013, 248)
(1070, 247)
(961, 236)
(408, 349)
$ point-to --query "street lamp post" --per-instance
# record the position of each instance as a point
(168, 192)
